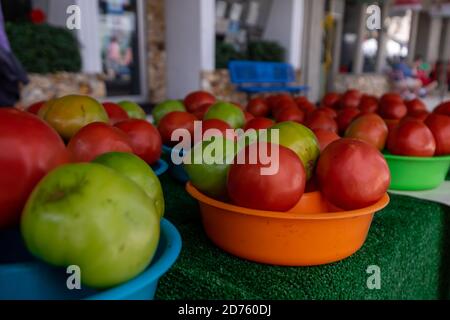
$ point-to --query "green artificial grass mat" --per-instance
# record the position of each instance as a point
(409, 241)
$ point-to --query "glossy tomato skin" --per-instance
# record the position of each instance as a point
(196, 99)
(217, 124)
(175, 120)
(352, 174)
(115, 112)
(325, 137)
(259, 123)
(439, 125)
(202, 110)
(248, 116)
(327, 111)
(331, 100)
(368, 104)
(35, 107)
(320, 120)
(144, 139)
(96, 139)
(345, 117)
(412, 138)
(370, 128)
(29, 150)
(421, 115)
(415, 105)
(291, 114)
(258, 107)
(350, 99)
(282, 104)
(280, 191)
(392, 109)
(443, 108)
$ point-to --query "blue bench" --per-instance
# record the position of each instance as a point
(261, 77)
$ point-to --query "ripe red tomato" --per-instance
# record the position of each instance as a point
(415, 105)
(390, 96)
(202, 110)
(443, 108)
(290, 114)
(248, 116)
(96, 139)
(327, 111)
(304, 105)
(418, 115)
(279, 191)
(175, 120)
(368, 104)
(345, 117)
(115, 113)
(259, 123)
(258, 107)
(439, 125)
(331, 100)
(392, 109)
(283, 103)
(196, 99)
(350, 99)
(29, 149)
(273, 100)
(325, 137)
(352, 174)
(411, 138)
(320, 120)
(217, 124)
(370, 128)
(144, 139)
(35, 107)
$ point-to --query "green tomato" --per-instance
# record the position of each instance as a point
(137, 170)
(168, 106)
(94, 217)
(133, 110)
(207, 165)
(227, 112)
(301, 140)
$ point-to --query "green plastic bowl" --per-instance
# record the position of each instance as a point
(417, 173)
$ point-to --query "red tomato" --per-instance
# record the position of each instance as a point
(320, 120)
(175, 120)
(96, 139)
(305, 105)
(144, 139)
(370, 128)
(259, 123)
(279, 191)
(273, 100)
(415, 105)
(290, 114)
(443, 108)
(345, 117)
(368, 104)
(282, 104)
(439, 125)
(328, 111)
(392, 109)
(248, 116)
(202, 110)
(258, 107)
(115, 113)
(418, 115)
(331, 100)
(352, 174)
(325, 137)
(412, 138)
(35, 107)
(217, 124)
(390, 96)
(29, 148)
(196, 99)
(350, 99)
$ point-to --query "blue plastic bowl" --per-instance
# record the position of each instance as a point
(176, 171)
(160, 167)
(34, 280)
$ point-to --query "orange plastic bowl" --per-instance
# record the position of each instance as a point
(312, 233)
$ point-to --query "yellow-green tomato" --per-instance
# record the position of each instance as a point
(227, 112)
(133, 110)
(91, 216)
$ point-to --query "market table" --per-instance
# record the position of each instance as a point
(409, 241)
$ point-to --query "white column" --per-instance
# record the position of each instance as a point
(190, 33)
(434, 38)
(382, 39)
(358, 60)
(445, 41)
(413, 36)
(285, 26)
(313, 62)
(338, 9)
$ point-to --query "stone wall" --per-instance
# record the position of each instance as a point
(218, 83)
(156, 51)
(48, 86)
(375, 84)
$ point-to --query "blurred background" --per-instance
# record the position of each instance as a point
(152, 50)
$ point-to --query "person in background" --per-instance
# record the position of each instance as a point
(421, 70)
(12, 74)
(404, 79)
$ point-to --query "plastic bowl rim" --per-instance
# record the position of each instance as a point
(421, 159)
(380, 204)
